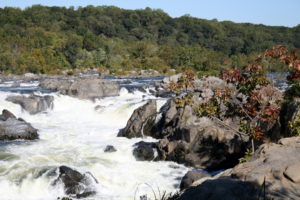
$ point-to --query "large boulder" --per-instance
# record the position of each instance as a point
(271, 173)
(12, 128)
(33, 104)
(83, 88)
(75, 183)
(186, 138)
(141, 121)
(199, 142)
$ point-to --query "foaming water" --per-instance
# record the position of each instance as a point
(75, 133)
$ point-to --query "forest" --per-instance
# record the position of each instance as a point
(41, 39)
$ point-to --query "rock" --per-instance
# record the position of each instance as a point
(6, 115)
(173, 78)
(110, 148)
(76, 184)
(289, 112)
(163, 93)
(13, 129)
(16, 84)
(30, 75)
(273, 170)
(225, 189)
(145, 151)
(293, 173)
(197, 142)
(139, 122)
(190, 177)
(210, 82)
(83, 88)
(188, 139)
(34, 103)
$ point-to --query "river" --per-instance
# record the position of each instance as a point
(75, 134)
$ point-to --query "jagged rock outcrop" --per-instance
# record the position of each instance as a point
(75, 183)
(271, 173)
(201, 129)
(141, 121)
(83, 88)
(12, 128)
(199, 142)
(33, 104)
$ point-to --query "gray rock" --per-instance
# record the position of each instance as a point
(292, 172)
(76, 184)
(173, 78)
(274, 167)
(197, 142)
(140, 122)
(13, 129)
(289, 112)
(110, 149)
(6, 115)
(83, 88)
(190, 177)
(144, 151)
(34, 103)
(225, 189)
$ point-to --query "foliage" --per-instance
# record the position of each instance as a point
(43, 39)
(184, 83)
(246, 157)
(207, 109)
(181, 102)
(295, 125)
(292, 60)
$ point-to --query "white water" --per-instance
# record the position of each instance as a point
(75, 134)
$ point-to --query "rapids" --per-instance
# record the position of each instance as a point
(75, 134)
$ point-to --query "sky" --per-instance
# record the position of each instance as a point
(268, 12)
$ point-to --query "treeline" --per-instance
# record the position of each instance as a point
(42, 39)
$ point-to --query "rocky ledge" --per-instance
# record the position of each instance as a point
(34, 103)
(271, 173)
(81, 87)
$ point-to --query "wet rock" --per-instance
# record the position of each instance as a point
(144, 151)
(75, 183)
(13, 129)
(83, 88)
(33, 104)
(110, 149)
(138, 124)
(6, 115)
(190, 177)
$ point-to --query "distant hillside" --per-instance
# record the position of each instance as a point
(43, 39)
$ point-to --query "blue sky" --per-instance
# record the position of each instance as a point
(269, 12)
